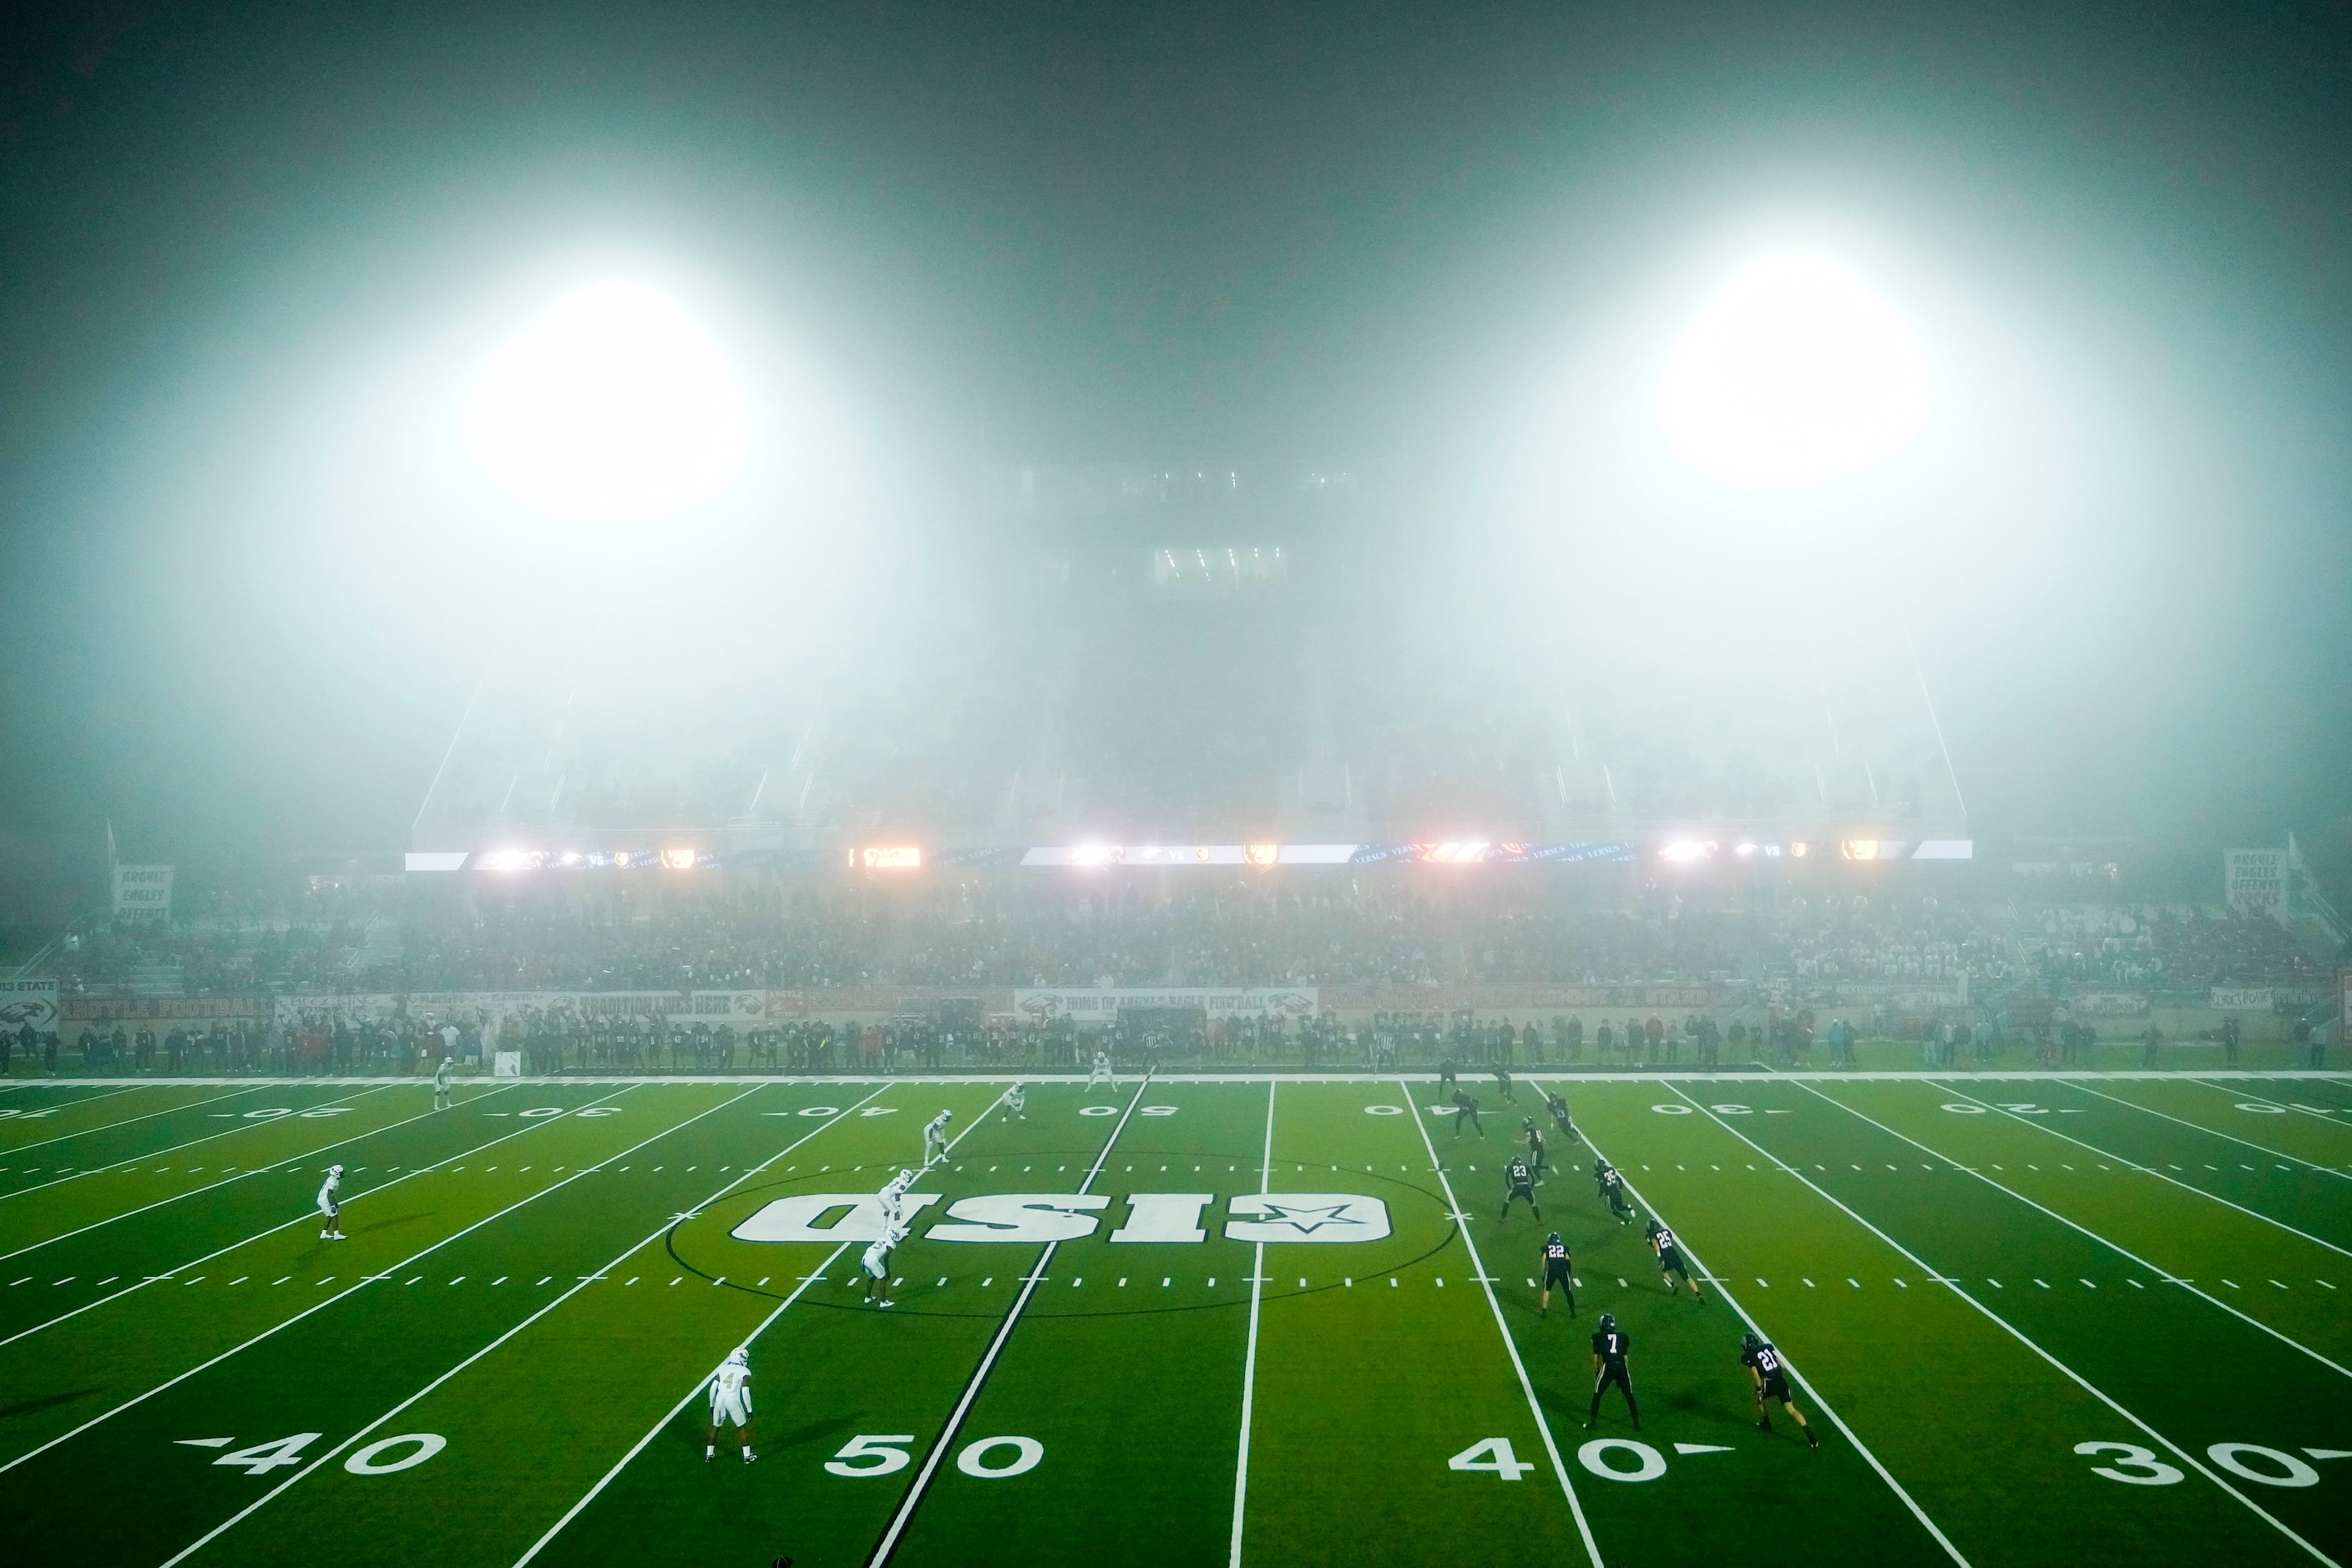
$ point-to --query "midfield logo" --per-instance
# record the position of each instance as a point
(1034, 1217)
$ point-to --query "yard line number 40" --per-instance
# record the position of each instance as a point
(384, 1456)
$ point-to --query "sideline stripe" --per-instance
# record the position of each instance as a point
(150, 1116)
(269, 1169)
(914, 1498)
(1948, 1283)
(2152, 1171)
(385, 1272)
(2217, 1133)
(1851, 1436)
(696, 1392)
(1454, 1207)
(1560, 1071)
(265, 1499)
(1249, 1361)
(2164, 1274)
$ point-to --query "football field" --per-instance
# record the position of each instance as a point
(1189, 1320)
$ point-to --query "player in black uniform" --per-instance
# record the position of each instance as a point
(1534, 1135)
(1612, 1191)
(1518, 1182)
(1558, 1109)
(1503, 1085)
(1771, 1375)
(1609, 1348)
(1445, 1076)
(1556, 1263)
(1670, 1258)
(1465, 1111)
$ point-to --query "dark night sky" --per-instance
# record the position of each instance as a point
(1102, 232)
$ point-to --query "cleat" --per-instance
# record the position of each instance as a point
(1812, 1439)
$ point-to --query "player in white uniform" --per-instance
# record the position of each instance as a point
(331, 1227)
(730, 1404)
(442, 1076)
(935, 1137)
(1102, 1073)
(893, 1192)
(1016, 1104)
(877, 1264)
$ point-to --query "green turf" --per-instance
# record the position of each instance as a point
(1966, 1295)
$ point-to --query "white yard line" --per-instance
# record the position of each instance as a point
(207, 1138)
(13, 1085)
(1948, 1283)
(2199, 1126)
(1249, 1360)
(1535, 1407)
(275, 1165)
(914, 1498)
(108, 1127)
(2152, 1171)
(655, 1430)
(2335, 1118)
(328, 1456)
(303, 1218)
(363, 1283)
(2166, 1275)
(1813, 1393)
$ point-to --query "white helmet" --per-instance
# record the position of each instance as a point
(739, 1356)
(904, 1176)
(946, 1115)
(334, 1170)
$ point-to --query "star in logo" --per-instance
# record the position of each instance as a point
(1307, 1220)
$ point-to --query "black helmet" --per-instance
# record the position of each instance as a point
(1750, 1341)
(1608, 1322)
(1552, 1239)
(1653, 1227)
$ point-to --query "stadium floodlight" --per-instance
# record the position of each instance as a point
(1793, 373)
(612, 406)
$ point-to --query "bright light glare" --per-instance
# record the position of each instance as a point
(1793, 373)
(612, 405)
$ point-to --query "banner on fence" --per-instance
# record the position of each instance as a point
(2103, 1005)
(1103, 1004)
(433, 1007)
(2242, 999)
(33, 1001)
(163, 1009)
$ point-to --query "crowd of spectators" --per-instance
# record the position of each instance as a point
(2200, 951)
(1237, 937)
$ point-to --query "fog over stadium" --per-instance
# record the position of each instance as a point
(866, 783)
(1443, 267)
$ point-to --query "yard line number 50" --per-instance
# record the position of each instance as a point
(884, 1454)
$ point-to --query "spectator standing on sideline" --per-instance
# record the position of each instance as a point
(2150, 1041)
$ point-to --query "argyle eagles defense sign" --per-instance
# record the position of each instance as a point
(1035, 1217)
